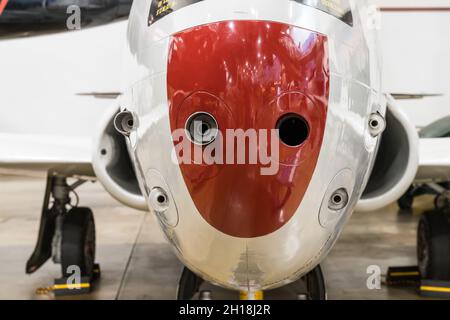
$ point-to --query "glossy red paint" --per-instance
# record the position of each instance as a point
(3, 4)
(248, 74)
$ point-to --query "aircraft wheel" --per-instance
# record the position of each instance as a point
(78, 242)
(442, 201)
(433, 246)
(189, 285)
(315, 284)
(406, 201)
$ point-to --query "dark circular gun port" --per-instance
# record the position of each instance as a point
(293, 130)
(337, 199)
(161, 199)
(202, 128)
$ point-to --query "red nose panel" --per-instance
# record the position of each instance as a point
(248, 75)
(3, 4)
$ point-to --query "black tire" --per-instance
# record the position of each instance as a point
(78, 242)
(433, 246)
(315, 284)
(189, 285)
(406, 202)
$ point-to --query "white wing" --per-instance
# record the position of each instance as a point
(50, 114)
(48, 106)
(39, 154)
(434, 160)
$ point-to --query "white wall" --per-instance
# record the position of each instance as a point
(416, 57)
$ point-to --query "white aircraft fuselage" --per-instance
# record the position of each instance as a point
(249, 65)
(250, 128)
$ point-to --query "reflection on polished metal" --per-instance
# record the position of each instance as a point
(377, 124)
(226, 222)
(338, 200)
(159, 200)
(125, 122)
(201, 128)
(235, 69)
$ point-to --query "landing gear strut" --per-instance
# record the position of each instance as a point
(66, 233)
(406, 201)
(78, 242)
(310, 287)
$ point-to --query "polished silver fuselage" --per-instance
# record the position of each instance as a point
(345, 159)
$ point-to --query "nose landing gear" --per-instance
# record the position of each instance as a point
(78, 242)
(67, 235)
(310, 287)
(405, 203)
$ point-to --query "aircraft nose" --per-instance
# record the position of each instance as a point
(246, 87)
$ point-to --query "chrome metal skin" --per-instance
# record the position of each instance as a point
(346, 156)
(124, 123)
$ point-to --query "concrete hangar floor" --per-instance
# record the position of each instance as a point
(137, 263)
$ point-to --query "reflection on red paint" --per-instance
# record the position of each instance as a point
(248, 74)
(3, 4)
